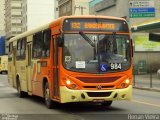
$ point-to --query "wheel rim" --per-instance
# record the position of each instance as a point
(18, 89)
(47, 94)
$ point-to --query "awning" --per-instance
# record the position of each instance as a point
(153, 26)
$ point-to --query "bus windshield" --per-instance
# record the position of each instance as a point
(96, 53)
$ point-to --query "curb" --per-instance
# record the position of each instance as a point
(149, 89)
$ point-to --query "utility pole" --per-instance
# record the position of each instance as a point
(81, 8)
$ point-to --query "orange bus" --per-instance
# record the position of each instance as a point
(73, 59)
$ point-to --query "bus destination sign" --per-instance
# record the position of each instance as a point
(101, 25)
(89, 25)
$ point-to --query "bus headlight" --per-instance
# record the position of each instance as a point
(124, 84)
(71, 85)
(68, 82)
(127, 81)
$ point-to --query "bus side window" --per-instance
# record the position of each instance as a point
(23, 48)
(10, 51)
(37, 45)
(34, 47)
(18, 49)
(46, 43)
(21, 43)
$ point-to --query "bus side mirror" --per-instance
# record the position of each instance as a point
(60, 41)
(132, 47)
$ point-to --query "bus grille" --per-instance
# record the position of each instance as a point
(98, 80)
(103, 87)
(99, 94)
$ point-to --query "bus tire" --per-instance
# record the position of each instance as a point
(21, 94)
(48, 101)
(107, 103)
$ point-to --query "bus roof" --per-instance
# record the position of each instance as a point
(57, 22)
(30, 32)
(61, 19)
(91, 16)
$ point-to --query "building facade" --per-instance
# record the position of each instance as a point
(121, 8)
(2, 13)
(13, 19)
(117, 8)
(23, 15)
(73, 7)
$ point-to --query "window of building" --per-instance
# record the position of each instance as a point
(64, 9)
(69, 6)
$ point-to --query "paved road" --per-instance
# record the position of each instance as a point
(33, 108)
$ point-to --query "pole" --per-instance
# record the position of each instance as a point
(150, 76)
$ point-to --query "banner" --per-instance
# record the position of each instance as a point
(142, 43)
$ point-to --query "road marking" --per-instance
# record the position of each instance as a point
(146, 103)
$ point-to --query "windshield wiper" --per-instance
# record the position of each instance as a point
(87, 39)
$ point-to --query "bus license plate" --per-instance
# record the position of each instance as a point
(98, 100)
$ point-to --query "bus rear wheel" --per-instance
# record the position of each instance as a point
(21, 94)
(107, 103)
(48, 101)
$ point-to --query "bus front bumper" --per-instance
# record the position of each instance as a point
(68, 95)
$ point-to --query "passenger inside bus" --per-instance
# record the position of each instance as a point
(105, 49)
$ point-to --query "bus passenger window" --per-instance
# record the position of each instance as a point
(21, 43)
(18, 48)
(37, 45)
(10, 51)
(46, 43)
(34, 47)
(23, 47)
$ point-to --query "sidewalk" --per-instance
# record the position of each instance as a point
(146, 81)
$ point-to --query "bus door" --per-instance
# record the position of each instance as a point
(28, 75)
(55, 70)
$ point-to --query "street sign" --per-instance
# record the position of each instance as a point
(141, 8)
(138, 15)
(137, 10)
(141, 3)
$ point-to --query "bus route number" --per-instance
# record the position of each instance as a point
(116, 66)
(75, 25)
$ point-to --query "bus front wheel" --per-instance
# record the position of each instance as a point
(107, 103)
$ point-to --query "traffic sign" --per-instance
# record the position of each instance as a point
(141, 8)
(137, 10)
(141, 3)
(138, 15)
